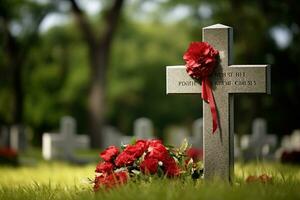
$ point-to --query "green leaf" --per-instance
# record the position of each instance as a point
(184, 146)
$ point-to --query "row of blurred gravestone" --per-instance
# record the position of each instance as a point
(258, 145)
(142, 129)
(261, 145)
(63, 145)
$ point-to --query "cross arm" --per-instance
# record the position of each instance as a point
(179, 82)
(232, 79)
(248, 78)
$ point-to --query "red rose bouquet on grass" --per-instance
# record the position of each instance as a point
(142, 159)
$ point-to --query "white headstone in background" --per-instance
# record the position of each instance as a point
(112, 136)
(143, 128)
(259, 128)
(18, 138)
(63, 145)
(176, 135)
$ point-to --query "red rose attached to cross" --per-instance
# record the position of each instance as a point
(201, 60)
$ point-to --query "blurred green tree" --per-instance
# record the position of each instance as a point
(60, 66)
(19, 33)
(99, 48)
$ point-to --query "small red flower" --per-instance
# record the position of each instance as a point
(144, 144)
(97, 182)
(157, 150)
(264, 178)
(8, 152)
(110, 153)
(149, 165)
(124, 159)
(104, 167)
(114, 179)
(111, 180)
(155, 142)
(201, 59)
(134, 150)
(122, 177)
(195, 154)
(170, 167)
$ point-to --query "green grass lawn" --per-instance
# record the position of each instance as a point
(63, 181)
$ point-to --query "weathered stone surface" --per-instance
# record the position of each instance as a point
(236, 79)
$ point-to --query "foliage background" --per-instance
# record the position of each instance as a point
(150, 36)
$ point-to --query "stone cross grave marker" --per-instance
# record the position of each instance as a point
(227, 80)
(62, 145)
(261, 139)
(260, 142)
(143, 128)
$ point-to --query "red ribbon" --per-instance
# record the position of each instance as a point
(207, 96)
